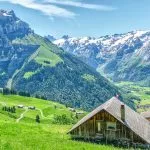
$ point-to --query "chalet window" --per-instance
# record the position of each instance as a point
(111, 125)
(98, 126)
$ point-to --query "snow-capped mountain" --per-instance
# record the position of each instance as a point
(11, 25)
(51, 38)
(119, 56)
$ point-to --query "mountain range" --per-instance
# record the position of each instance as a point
(119, 57)
(31, 63)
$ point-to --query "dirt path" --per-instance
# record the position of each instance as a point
(26, 110)
(22, 115)
(42, 115)
(10, 81)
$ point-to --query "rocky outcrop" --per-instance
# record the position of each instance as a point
(12, 26)
(12, 55)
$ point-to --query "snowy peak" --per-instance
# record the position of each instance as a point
(5, 13)
(112, 40)
(105, 44)
(51, 38)
(66, 37)
(11, 25)
(120, 56)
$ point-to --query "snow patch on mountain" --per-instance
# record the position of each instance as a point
(121, 56)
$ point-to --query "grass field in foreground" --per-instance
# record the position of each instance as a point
(29, 135)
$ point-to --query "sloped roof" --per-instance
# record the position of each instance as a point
(137, 123)
(146, 114)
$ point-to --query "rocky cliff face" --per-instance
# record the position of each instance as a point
(121, 56)
(12, 26)
(12, 55)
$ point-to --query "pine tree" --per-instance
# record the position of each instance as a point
(37, 119)
(9, 109)
(14, 109)
(5, 108)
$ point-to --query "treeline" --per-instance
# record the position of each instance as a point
(9, 109)
(7, 91)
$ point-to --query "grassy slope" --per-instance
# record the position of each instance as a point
(45, 56)
(52, 71)
(142, 99)
(32, 136)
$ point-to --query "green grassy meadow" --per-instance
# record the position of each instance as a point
(139, 94)
(46, 135)
(45, 55)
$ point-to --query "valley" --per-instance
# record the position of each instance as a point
(61, 80)
(124, 59)
(138, 94)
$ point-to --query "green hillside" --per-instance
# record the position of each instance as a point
(46, 135)
(54, 74)
(32, 64)
(136, 94)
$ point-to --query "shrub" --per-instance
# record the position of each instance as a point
(147, 92)
(62, 119)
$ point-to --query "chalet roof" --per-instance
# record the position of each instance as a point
(134, 121)
(146, 114)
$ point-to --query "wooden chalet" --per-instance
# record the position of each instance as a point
(113, 121)
(146, 115)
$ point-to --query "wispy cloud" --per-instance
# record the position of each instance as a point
(54, 7)
(47, 9)
(81, 5)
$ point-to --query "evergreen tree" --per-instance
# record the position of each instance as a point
(37, 96)
(9, 109)
(14, 109)
(37, 119)
(3, 108)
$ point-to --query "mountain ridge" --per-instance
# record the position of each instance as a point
(32, 64)
(120, 56)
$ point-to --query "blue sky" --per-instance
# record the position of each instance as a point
(82, 17)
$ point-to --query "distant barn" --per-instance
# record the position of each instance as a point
(113, 121)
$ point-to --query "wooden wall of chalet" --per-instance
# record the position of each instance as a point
(116, 130)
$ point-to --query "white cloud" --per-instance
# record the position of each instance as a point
(81, 5)
(53, 8)
(47, 9)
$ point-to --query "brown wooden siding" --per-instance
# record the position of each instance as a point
(106, 125)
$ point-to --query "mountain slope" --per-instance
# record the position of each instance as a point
(33, 64)
(60, 76)
(122, 57)
(12, 56)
